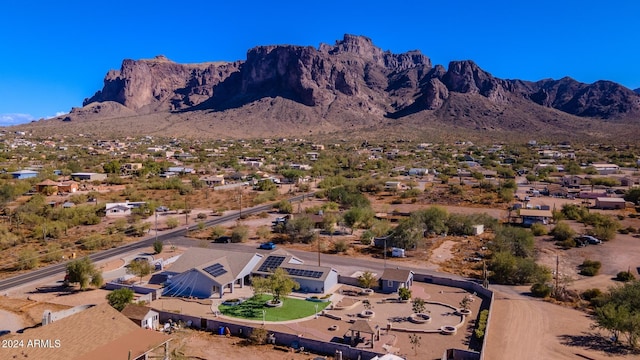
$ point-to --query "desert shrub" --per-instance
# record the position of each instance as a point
(240, 234)
(567, 244)
(482, 324)
(365, 238)
(625, 276)
(172, 223)
(201, 216)
(258, 336)
(284, 207)
(541, 290)
(341, 246)
(539, 229)
(590, 267)
(591, 294)
(562, 231)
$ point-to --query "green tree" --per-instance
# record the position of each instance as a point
(357, 216)
(632, 195)
(157, 246)
(83, 272)
(119, 298)
(619, 312)
(367, 280)
(112, 167)
(407, 234)
(300, 229)
(516, 241)
(404, 293)
(140, 268)
(279, 284)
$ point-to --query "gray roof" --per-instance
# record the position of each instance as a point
(199, 258)
(399, 275)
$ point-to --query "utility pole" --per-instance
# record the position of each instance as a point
(186, 215)
(156, 225)
(385, 252)
(557, 290)
(318, 250)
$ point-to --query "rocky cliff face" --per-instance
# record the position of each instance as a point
(353, 75)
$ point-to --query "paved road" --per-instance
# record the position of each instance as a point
(174, 236)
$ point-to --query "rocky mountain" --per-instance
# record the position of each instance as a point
(351, 83)
(637, 90)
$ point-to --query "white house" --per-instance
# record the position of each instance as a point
(143, 316)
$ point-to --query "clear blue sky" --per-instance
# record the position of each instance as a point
(56, 53)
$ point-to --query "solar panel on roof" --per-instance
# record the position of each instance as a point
(215, 270)
(271, 263)
(304, 273)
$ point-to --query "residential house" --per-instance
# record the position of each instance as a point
(532, 216)
(203, 273)
(117, 209)
(130, 168)
(418, 172)
(80, 176)
(610, 203)
(98, 333)
(142, 316)
(606, 169)
(573, 181)
(213, 180)
(392, 185)
(47, 186)
(24, 174)
(69, 186)
(394, 279)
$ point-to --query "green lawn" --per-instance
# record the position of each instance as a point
(291, 309)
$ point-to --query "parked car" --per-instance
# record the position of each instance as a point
(267, 246)
(223, 240)
(590, 239)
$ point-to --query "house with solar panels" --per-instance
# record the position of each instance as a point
(205, 273)
(312, 279)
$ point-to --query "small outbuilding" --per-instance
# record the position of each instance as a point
(394, 279)
(144, 316)
(610, 203)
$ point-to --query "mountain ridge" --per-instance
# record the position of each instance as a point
(352, 83)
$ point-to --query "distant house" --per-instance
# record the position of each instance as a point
(117, 209)
(143, 316)
(65, 186)
(47, 185)
(213, 180)
(573, 181)
(85, 176)
(394, 279)
(68, 186)
(181, 170)
(130, 168)
(610, 203)
(606, 169)
(532, 216)
(418, 172)
(392, 185)
(24, 174)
